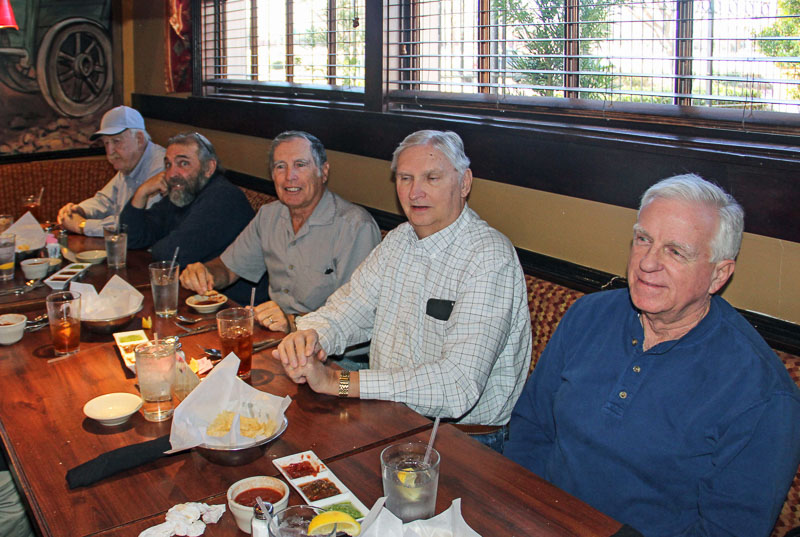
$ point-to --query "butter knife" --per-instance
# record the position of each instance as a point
(201, 330)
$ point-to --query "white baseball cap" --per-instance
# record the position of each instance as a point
(117, 120)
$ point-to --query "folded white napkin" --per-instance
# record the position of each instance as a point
(449, 523)
(185, 519)
(29, 233)
(117, 298)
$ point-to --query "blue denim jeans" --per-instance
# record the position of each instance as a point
(495, 440)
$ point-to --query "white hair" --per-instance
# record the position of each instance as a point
(448, 142)
(692, 188)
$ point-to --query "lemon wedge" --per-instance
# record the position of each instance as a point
(147, 322)
(407, 476)
(323, 524)
(194, 366)
(6, 266)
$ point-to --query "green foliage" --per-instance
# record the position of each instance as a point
(539, 24)
(777, 48)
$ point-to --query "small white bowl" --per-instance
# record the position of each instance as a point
(55, 262)
(113, 408)
(243, 514)
(35, 268)
(196, 302)
(12, 326)
(92, 256)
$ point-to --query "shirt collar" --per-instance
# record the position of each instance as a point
(322, 215)
(693, 336)
(442, 239)
(144, 161)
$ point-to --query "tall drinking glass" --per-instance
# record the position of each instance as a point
(116, 238)
(410, 484)
(8, 243)
(64, 313)
(164, 283)
(155, 372)
(30, 203)
(235, 327)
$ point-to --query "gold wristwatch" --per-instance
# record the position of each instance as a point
(82, 226)
(344, 383)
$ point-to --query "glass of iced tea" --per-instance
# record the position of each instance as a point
(64, 312)
(235, 327)
(30, 203)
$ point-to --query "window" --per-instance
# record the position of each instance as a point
(732, 60)
(314, 43)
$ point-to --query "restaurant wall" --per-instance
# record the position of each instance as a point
(588, 233)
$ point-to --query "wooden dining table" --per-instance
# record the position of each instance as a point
(44, 433)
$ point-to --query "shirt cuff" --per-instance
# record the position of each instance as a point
(94, 228)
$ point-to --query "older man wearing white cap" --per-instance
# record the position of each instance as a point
(136, 159)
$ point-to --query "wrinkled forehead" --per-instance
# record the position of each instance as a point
(182, 150)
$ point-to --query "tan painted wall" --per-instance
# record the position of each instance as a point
(596, 235)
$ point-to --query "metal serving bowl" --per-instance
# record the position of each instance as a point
(236, 456)
(107, 326)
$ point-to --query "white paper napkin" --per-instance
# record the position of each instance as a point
(222, 390)
(449, 523)
(29, 233)
(117, 298)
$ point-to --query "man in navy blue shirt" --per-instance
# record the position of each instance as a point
(660, 405)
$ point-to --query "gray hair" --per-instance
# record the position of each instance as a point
(693, 188)
(144, 132)
(448, 142)
(317, 149)
(205, 151)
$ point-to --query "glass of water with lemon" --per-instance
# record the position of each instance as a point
(7, 252)
(303, 520)
(409, 483)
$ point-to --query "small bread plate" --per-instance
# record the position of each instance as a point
(126, 342)
(91, 256)
(113, 408)
(206, 303)
(317, 484)
(60, 279)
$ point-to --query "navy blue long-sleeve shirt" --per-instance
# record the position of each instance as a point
(696, 436)
(202, 229)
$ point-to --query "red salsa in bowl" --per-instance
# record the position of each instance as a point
(248, 497)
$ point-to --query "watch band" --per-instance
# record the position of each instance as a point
(344, 383)
(82, 225)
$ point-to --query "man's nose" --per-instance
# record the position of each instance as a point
(651, 260)
(416, 191)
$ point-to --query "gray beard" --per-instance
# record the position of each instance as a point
(182, 198)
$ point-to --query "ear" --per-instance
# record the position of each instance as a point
(325, 169)
(466, 183)
(722, 273)
(141, 141)
(210, 168)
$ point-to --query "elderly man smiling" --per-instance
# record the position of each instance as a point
(660, 405)
(308, 244)
(442, 298)
(202, 212)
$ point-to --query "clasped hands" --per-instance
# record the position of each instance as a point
(303, 359)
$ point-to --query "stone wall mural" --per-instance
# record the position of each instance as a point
(56, 74)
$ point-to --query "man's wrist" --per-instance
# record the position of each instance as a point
(343, 378)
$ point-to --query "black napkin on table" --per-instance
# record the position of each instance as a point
(117, 461)
(627, 531)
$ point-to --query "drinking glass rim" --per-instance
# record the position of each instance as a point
(240, 313)
(432, 463)
(61, 296)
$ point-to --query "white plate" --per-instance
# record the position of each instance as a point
(60, 279)
(91, 256)
(113, 408)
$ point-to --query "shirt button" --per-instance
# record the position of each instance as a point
(637, 369)
(634, 342)
(291, 267)
(286, 291)
(623, 394)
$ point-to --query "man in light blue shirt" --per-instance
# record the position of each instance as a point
(136, 159)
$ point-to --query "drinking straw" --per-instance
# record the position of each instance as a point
(172, 263)
(430, 442)
(252, 297)
(41, 193)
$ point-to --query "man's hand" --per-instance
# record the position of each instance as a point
(320, 377)
(196, 277)
(297, 348)
(66, 211)
(72, 222)
(272, 317)
(156, 184)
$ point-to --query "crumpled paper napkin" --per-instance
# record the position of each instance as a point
(116, 299)
(188, 519)
(29, 233)
(222, 390)
(449, 523)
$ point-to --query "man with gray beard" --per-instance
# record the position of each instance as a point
(201, 211)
